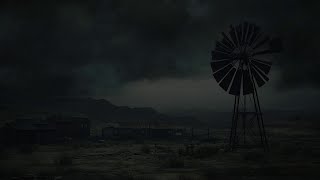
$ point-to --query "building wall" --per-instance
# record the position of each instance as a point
(76, 128)
(128, 133)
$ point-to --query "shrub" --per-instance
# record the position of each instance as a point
(174, 162)
(206, 151)
(27, 148)
(255, 156)
(131, 177)
(76, 146)
(185, 177)
(181, 152)
(145, 149)
(210, 173)
(3, 153)
(64, 159)
(289, 149)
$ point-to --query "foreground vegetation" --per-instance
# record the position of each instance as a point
(287, 159)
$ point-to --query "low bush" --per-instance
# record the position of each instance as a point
(210, 173)
(206, 151)
(174, 162)
(145, 149)
(27, 148)
(185, 177)
(255, 156)
(64, 159)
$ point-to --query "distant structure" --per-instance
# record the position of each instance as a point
(33, 131)
(116, 132)
(240, 63)
(46, 130)
(75, 127)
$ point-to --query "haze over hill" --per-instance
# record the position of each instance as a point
(101, 112)
(97, 110)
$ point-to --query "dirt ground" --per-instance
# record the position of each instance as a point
(294, 156)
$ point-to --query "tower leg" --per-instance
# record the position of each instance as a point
(235, 117)
(263, 135)
(250, 124)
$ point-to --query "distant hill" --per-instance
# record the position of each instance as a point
(99, 111)
(273, 118)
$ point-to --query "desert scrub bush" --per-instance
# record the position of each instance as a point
(210, 173)
(185, 177)
(310, 152)
(131, 177)
(3, 153)
(64, 159)
(173, 162)
(144, 178)
(139, 141)
(206, 151)
(27, 148)
(181, 151)
(269, 171)
(76, 146)
(255, 156)
(145, 149)
(163, 148)
(289, 149)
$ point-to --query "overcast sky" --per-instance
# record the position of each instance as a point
(151, 53)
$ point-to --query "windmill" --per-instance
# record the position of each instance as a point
(241, 63)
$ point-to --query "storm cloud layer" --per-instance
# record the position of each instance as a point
(85, 48)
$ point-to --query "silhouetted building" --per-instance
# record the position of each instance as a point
(75, 127)
(29, 131)
(131, 132)
(46, 130)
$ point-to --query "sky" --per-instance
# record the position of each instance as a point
(151, 53)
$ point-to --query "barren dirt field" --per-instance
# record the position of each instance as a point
(291, 156)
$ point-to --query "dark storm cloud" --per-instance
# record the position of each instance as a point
(40, 46)
(54, 48)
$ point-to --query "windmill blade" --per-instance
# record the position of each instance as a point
(217, 65)
(239, 34)
(226, 41)
(236, 83)
(260, 72)
(222, 72)
(263, 67)
(268, 51)
(217, 55)
(225, 83)
(250, 33)
(234, 36)
(255, 35)
(257, 38)
(223, 48)
(247, 83)
(257, 77)
(245, 32)
(263, 61)
(262, 42)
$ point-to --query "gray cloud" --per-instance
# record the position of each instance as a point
(86, 47)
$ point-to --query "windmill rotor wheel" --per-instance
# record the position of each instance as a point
(240, 58)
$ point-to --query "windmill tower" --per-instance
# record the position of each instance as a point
(241, 63)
